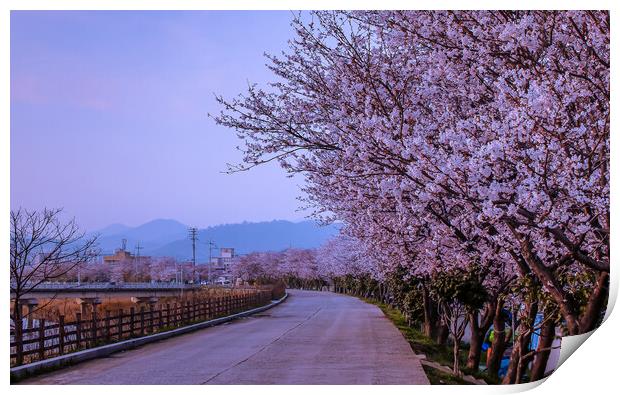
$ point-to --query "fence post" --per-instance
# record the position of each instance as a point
(119, 324)
(93, 329)
(19, 344)
(151, 315)
(107, 325)
(61, 335)
(174, 316)
(159, 316)
(132, 311)
(78, 330)
(41, 338)
(167, 314)
(141, 320)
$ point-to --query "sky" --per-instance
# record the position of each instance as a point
(109, 115)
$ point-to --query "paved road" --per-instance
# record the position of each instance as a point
(312, 338)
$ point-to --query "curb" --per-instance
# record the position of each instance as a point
(435, 365)
(23, 371)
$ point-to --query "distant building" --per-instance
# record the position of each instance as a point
(220, 266)
(227, 252)
(119, 256)
(224, 260)
(227, 255)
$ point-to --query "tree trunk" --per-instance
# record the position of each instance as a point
(17, 319)
(475, 343)
(478, 329)
(515, 356)
(456, 367)
(597, 299)
(428, 313)
(564, 301)
(521, 345)
(498, 346)
(442, 334)
(547, 336)
(525, 345)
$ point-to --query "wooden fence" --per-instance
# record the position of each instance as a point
(48, 340)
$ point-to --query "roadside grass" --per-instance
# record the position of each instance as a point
(437, 377)
(422, 344)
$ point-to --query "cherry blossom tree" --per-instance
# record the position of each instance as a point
(471, 140)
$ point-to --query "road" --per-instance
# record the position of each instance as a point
(312, 338)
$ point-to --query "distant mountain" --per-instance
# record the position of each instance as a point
(113, 229)
(164, 237)
(150, 235)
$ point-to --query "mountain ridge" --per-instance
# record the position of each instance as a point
(168, 237)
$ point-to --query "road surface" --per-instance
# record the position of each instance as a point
(312, 338)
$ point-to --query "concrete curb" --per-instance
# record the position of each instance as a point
(22, 371)
(468, 378)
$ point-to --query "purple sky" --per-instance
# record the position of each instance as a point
(109, 115)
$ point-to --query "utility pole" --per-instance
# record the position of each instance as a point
(193, 236)
(211, 246)
(137, 260)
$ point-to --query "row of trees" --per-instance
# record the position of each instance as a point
(466, 152)
(298, 268)
(144, 269)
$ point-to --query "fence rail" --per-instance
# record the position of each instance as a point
(52, 339)
(106, 285)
